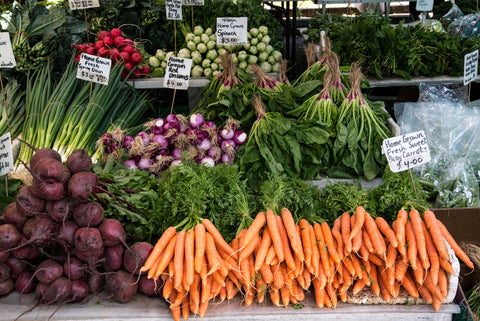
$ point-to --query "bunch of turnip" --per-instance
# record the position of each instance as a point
(201, 46)
(175, 139)
(120, 49)
(56, 242)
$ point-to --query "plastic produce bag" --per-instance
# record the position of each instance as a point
(454, 13)
(443, 93)
(466, 26)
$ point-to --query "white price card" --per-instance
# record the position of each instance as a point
(6, 154)
(93, 68)
(424, 5)
(177, 75)
(83, 4)
(232, 31)
(7, 59)
(174, 9)
(193, 2)
(470, 67)
(406, 151)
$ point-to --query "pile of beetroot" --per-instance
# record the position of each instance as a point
(56, 242)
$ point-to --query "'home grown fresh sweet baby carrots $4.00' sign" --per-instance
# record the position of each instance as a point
(406, 151)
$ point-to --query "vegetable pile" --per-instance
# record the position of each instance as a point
(275, 257)
(201, 46)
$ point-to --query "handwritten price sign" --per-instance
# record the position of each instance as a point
(174, 9)
(94, 69)
(177, 75)
(232, 31)
(406, 151)
(83, 4)
(6, 154)
(7, 59)
(470, 67)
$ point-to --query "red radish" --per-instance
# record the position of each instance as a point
(79, 291)
(129, 66)
(25, 282)
(81, 185)
(16, 265)
(48, 271)
(58, 291)
(103, 52)
(135, 58)
(129, 49)
(90, 51)
(108, 41)
(99, 44)
(61, 210)
(6, 287)
(9, 237)
(122, 286)
(14, 217)
(79, 160)
(66, 234)
(113, 258)
(149, 287)
(136, 73)
(4, 255)
(25, 250)
(77, 57)
(115, 54)
(125, 56)
(45, 153)
(81, 48)
(27, 203)
(4, 271)
(39, 230)
(145, 70)
(115, 32)
(136, 255)
(102, 34)
(73, 268)
(88, 214)
(88, 239)
(118, 41)
(112, 232)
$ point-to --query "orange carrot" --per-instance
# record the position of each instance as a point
(375, 236)
(248, 249)
(357, 266)
(219, 240)
(386, 230)
(318, 292)
(358, 286)
(331, 294)
(411, 244)
(261, 288)
(433, 227)
(360, 214)
(345, 228)
(391, 256)
(322, 248)
(409, 285)
(357, 239)
(185, 310)
(337, 234)
(419, 237)
(263, 248)
(306, 242)
(158, 248)
(202, 309)
(432, 255)
(266, 273)
(436, 304)
(295, 240)
(278, 279)
(363, 253)
(206, 288)
(308, 279)
(199, 246)
(231, 289)
(443, 282)
(270, 254)
(375, 259)
(399, 228)
(384, 289)
(254, 229)
(178, 259)
(315, 251)
(374, 277)
(189, 258)
(327, 234)
(447, 266)
(194, 293)
(367, 242)
(285, 296)
(455, 247)
(167, 288)
(425, 294)
(434, 290)
(401, 267)
(179, 297)
(211, 253)
(275, 296)
(275, 234)
(164, 259)
(348, 263)
(219, 279)
(418, 272)
(286, 246)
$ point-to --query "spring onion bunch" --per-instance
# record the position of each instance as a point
(13, 109)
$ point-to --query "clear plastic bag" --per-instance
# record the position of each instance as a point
(466, 26)
(454, 13)
(443, 93)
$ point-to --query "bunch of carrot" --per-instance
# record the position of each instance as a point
(282, 259)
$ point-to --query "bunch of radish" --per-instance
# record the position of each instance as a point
(120, 49)
(175, 139)
(56, 242)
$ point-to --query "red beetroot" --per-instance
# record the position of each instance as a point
(66, 234)
(112, 232)
(4, 255)
(88, 214)
(9, 237)
(81, 185)
(6, 287)
(12, 216)
(25, 282)
(27, 203)
(46, 152)
(48, 271)
(16, 265)
(39, 230)
(58, 291)
(88, 242)
(5, 271)
(49, 179)
(113, 258)
(61, 210)
(74, 269)
(149, 287)
(25, 250)
(79, 291)
(121, 285)
(95, 282)
(40, 291)
(135, 256)
(79, 161)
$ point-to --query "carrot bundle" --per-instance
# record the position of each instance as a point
(279, 259)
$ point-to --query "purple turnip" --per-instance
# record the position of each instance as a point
(122, 286)
(135, 256)
(79, 161)
(113, 258)
(9, 237)
(81, 185)
(13, 216)
(27, 203)
(88, 214)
